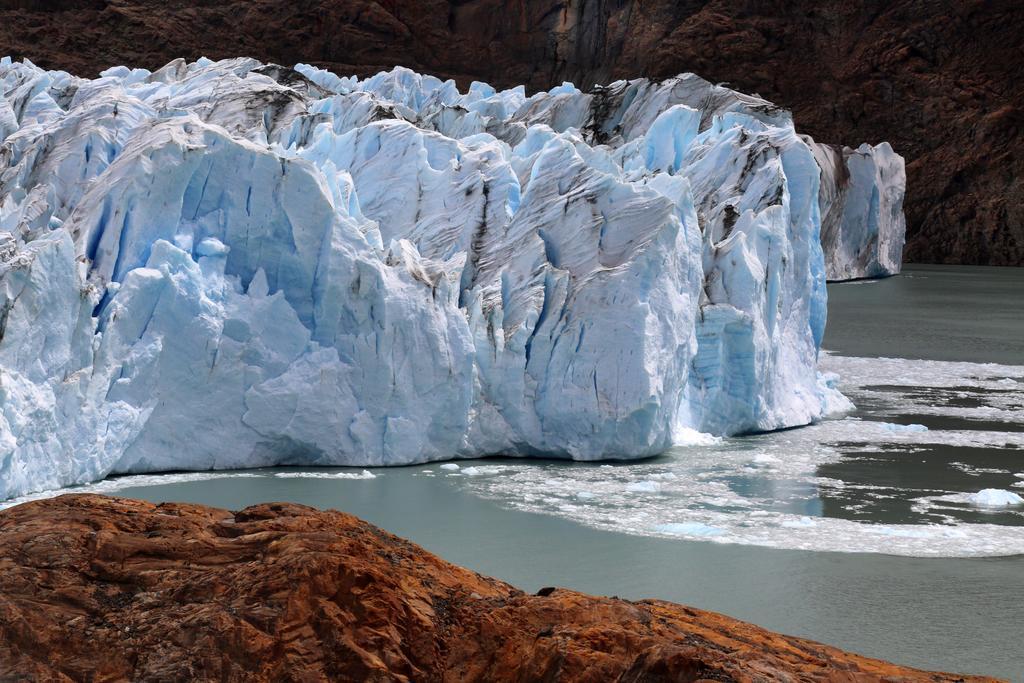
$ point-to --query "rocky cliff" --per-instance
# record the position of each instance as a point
(95, 588)
(943, 82)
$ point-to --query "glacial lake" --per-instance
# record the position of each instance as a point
(861, 532)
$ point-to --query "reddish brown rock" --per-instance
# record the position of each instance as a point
(103, 589)
(942, 81)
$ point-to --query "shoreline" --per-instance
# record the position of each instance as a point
(182, 590)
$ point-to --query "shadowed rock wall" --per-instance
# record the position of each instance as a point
(943, 82)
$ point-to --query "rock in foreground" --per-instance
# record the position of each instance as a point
(95, 588)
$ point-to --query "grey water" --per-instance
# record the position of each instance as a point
(960, 615)
(773, 508)
(946, 313)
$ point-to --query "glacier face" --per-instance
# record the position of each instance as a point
(230, 264)
(861, 202)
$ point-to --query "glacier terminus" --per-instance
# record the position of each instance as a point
(235, 264)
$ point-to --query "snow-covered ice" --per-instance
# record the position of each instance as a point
(231, 264)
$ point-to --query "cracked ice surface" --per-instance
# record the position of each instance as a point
(230, 264)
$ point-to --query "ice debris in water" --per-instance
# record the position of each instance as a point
(995, 498)
(697, 529)
(782, 489)
(233, 264)
(365, 474)
(893, 427)
(643, 487)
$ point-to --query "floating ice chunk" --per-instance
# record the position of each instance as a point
(698, 529)
(765, 459)
(907, 531)
(995, 498)
(365, 474)
(799, 523)
(646, 486)
(450, 467)
(975, 471)
(473, 471)
(898, 428)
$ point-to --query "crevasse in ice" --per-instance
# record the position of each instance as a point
(230, 264)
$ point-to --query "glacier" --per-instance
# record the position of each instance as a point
(863, 228)
(235, 264)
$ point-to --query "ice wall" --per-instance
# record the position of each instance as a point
(230, 264)
(861, 202)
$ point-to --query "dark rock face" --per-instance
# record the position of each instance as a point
(95, 588)
(943, 82)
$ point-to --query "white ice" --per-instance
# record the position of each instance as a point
(892, 427)
(364, 474)
(995, 498)
(769, 490)
(231, 264)
(863, 229)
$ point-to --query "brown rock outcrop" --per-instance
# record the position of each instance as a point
(102, 589)
(943, 82)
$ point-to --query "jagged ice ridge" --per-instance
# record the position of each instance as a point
(230, 264)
